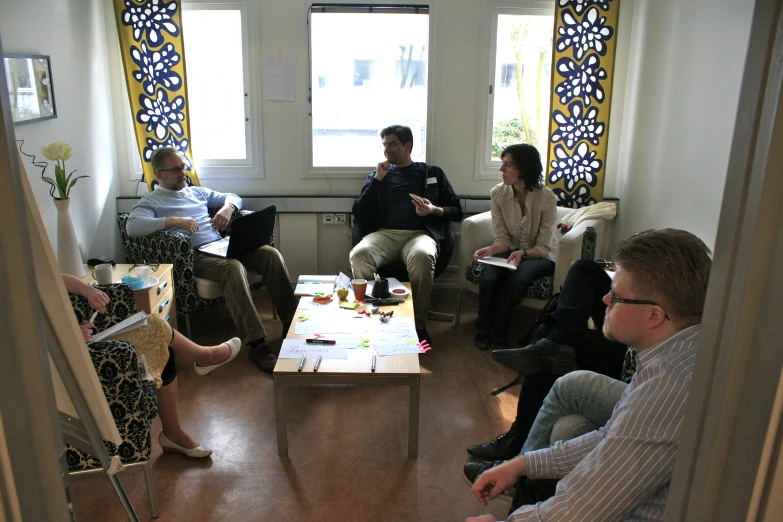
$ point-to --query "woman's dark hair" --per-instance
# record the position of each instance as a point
(527, 161)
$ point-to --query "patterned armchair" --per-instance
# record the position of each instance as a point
(133, 402)
(172, 247)
(477, 233)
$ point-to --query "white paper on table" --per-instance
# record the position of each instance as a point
(347, 341)
(497, 261)
(396, 328)
(385, 347)
(296, 348)
(279, 78)
(347, 325)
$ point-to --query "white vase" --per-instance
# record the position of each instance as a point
(69, 258)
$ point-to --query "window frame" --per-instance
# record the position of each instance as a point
(485, 167)
(312, 172)
(253, 165)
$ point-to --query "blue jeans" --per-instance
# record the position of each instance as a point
(578, 403)
(501, 290)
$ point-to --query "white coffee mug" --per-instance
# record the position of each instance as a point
(143, 273)
(104, 274)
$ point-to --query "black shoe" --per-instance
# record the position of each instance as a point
(481, 342)
(541, 356)
(472, 470)
(261, 356)
(503, 447)
(424, 336)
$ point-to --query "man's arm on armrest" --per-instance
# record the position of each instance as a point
(142, 221)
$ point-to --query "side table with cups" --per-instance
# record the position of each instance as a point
(157, 295)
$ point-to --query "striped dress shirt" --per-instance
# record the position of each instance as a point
(622, 471)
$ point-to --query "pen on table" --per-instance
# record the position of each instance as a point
(301, 364)
(320, 341)
(373, 363)
(317, 363)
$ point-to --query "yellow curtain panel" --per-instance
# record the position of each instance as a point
(153, 60)
(582, 73)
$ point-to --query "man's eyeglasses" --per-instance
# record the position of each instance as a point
(390, 145)
(614, 299)
(175, 170)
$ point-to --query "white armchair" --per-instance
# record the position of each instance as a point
(477, 233)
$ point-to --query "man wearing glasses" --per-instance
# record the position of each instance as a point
(175, 205)
(411, 229)
(622, 470)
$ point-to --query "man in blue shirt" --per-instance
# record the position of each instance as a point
(175, 205)
(408, 229)
(622, 471)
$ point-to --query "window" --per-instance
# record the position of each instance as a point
(373, 83)
(516, 89)
(508, 75)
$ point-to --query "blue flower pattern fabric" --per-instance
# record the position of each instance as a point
(578, 134)
(154, 64)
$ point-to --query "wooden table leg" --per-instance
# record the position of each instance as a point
(282, 434)
(413, 422)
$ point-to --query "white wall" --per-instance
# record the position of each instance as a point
(685, 70)
(73, 34)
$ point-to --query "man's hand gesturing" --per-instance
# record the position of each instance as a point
(187, 224)
(381, 171)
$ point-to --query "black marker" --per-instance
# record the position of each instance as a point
(301, 364)
(373, 363)
(320, 341)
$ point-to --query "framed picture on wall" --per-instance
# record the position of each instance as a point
(29, 80)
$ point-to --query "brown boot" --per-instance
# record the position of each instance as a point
(261, 356)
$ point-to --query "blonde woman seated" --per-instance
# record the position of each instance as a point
(159, 342)
(523, 219)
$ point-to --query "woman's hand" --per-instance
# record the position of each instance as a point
(516, 257)
(482, 252)
(86, 331)
(96, 299)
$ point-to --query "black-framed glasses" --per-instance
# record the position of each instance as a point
(614, 299)
(390, 145)
(153, 266)
(175, 170)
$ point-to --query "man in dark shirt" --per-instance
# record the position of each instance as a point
(404, 228)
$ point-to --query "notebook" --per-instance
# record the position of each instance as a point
(131, 323)
(312, 284)
(248, 232)
(497, 261)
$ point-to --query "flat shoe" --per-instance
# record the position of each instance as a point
(234, 344)
(172, 447)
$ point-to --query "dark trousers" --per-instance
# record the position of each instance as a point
(501, 290)
(580, 299)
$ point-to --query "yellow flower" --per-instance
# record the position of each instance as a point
(59, 151)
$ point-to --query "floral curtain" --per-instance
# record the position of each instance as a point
(153, 59)
(583, 63)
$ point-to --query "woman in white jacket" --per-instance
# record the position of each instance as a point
(523, 219)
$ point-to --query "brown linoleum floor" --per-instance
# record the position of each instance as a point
(347, 445)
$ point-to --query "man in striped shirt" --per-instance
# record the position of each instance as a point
(622, 470)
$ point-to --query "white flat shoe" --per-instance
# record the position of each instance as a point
(234, 344)
(172, 447)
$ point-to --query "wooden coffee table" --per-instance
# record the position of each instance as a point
(395, 370)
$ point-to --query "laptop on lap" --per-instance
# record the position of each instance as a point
(248, 233)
